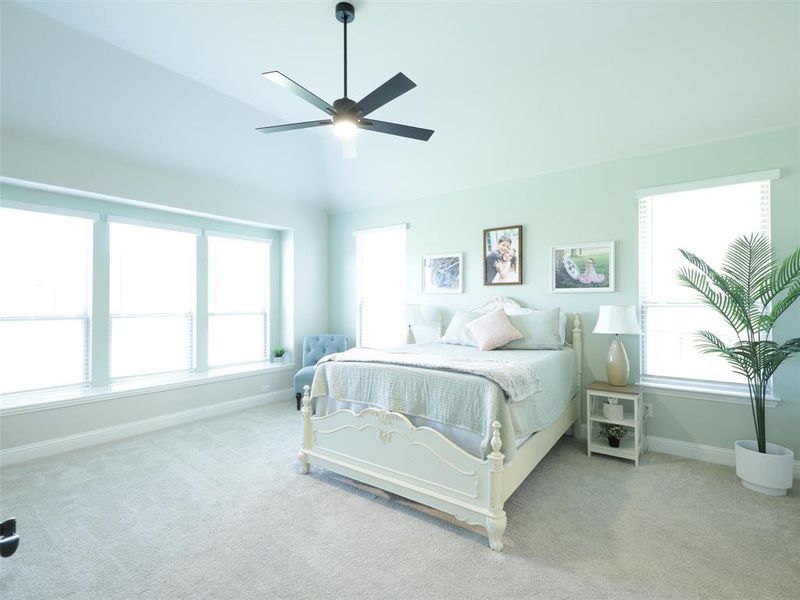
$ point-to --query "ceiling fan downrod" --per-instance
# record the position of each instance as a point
(345, 13)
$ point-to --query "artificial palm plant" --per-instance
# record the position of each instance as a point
(745, 291)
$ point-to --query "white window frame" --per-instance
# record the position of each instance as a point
(190, 316)
(86, 319)
(359, 302)
(675, 386)
(265, 315)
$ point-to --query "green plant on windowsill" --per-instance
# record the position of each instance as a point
(614, 433)
(277, 353)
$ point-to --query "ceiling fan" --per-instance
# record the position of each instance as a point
(348, 116)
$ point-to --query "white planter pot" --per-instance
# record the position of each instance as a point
(769, 473)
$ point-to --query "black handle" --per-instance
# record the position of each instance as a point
(9, 540)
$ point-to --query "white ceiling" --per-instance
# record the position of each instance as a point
(511, 88)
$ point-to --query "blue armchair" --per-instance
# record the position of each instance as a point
(314, 348)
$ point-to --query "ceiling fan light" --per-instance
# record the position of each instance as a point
(344, 128)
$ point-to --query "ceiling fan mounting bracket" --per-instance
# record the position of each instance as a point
(345, 12)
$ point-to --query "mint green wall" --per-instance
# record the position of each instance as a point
(591, 203)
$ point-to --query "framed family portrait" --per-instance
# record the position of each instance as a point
(502, 255)
(442, 274)
(585, 267)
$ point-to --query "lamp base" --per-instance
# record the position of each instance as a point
(617, 366)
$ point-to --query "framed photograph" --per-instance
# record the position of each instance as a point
(442, 274)
(502, 255)
(585, 267)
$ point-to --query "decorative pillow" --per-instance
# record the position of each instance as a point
(457, 333)
(493, 330)
(541, 330)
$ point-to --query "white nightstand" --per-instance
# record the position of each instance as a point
(634, 444)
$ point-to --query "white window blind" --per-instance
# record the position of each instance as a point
(703, 221)
(45, 274)
(152, 276)
(381, 286)
(238, 300)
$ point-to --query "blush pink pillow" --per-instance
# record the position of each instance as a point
(493, 330)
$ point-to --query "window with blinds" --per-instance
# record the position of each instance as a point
(152, 296)
(238, 300)
(703, 221)
(45, 273)
(381, 286)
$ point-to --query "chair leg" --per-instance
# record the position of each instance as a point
(299, 397)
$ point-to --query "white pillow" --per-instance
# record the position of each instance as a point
(562, 326)
(493, 330)
(457, 333)
(541, 330)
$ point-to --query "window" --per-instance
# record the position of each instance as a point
(45, 274)
(381, 286)
(121, 298)
(238, 300)
(703, 221)
(152, 298)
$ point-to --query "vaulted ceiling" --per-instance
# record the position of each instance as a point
(511, 88)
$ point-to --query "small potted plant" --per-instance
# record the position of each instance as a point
(277, 354)
(614, 433)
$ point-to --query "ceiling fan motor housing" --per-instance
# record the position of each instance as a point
(343, 105)
(345, 12)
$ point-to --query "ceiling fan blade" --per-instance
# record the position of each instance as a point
(290, 126)
(396, 86)
(416, 133)
(298, 90)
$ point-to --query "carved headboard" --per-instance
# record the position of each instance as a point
(512, 307)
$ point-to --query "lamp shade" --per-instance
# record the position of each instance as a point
(617, 319)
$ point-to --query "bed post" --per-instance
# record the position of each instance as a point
(577, 344)
(305, 414)
(496, 524)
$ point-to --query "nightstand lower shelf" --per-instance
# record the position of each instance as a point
(600, 446)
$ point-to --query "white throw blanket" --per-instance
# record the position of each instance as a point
(517, 380)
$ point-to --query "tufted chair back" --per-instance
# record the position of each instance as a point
(317, 346)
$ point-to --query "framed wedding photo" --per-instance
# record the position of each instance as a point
(585, 267)
(502, 255)
(443, 274)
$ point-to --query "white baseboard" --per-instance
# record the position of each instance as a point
(693, 450)
(18, 454)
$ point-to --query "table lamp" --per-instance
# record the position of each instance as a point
(617, 320)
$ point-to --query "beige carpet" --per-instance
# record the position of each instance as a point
(214, 509)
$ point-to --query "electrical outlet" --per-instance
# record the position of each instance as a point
(265, 388)
(648, 411)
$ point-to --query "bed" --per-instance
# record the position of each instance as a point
(412, 422)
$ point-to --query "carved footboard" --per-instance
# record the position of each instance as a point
(383, 449)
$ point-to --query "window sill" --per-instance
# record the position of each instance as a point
(696, 392)
(24, 402)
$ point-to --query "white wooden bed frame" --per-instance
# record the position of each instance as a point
(383, 449)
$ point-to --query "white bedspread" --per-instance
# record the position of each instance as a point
(432, 389)
(517, 379)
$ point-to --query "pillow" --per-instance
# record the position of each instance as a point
(425, 334)
(457, 333)
(541, 330)
(493, 330)
(562, 327)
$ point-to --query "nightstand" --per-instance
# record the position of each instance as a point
(634, 444)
